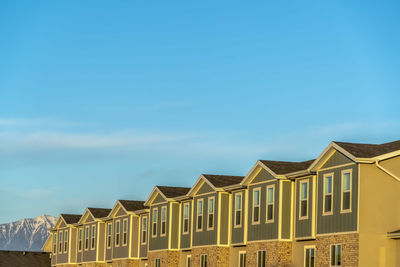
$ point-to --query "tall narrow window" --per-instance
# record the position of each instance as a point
(261, 258)
(65, 241)
(125, 232)
(163, 221)
(144, 230)
(270, 203)
(210, 213)
(203, 260)
(188, 261)
(185, 218)
(346, 191)
(117, 232)
(256, 205)
(238, 210)
(336, 255)
(242, 259)
(60, 241)
(309, 256)
(54, 243)
(86, 237)
(303, 200)
(93, 237)
(154, 219)
(80, 239)
(109, 235)
(328, 189)
(199, 215)
(157, 263)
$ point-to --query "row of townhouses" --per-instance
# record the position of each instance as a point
(341, 209)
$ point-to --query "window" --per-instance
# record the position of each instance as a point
(242, 259)
(86, 237)
(163, 221)
(185, 218)
(93, 236)
(125, 232)
(60, 241)
(65, 241)
(270, 203)
(199, 215)
(327, 201)
(154, 224)
(109, 235)
(303, 211)
(144, 230)
(80, 239)
(117, 232)
(256, 205)
(203, 260)
(55, 243)
(188, 261)
(309, 256)
(157, 263)
(238, 210)
(336, 255)
(261, 258)
(210, 213)
(346, 191)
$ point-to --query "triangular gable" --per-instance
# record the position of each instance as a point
(327, 154)
(86, 217)
(47, 245)
(60, 223)
(336, 159)
(199, 185)
(258, 169)
(156, 196)
(262, 176)
(117, 210)
(204, 189)
(158, 199)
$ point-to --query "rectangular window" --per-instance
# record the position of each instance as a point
(80, 239)
(303, 211)
(185, 218)
(346, 191)
(238, 210)
(270, 203)
(203, 260)
(125, 232)
(86, 237)
(256, 205)
(309, 256)
(60, 241)
(157, 263)
(188, 261)
(54, 243)
(210, 213)
(261, 258)
(65, 241)
(93, 237)
(117, 232)
(109, 235)
(199, 215)
(163, 221)
(144, 230)
(154, 219)
(336, 255)
(242, 259)
(328, 196)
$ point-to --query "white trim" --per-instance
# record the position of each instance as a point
(109, 235)
(199, 229)
(239, 194)
(186, 204)
(87, 237)
(117, 232)
(350, 171)
(65, 243)
(154, 211)
(210, 213)
(163, 208)
(307, 182)
(254, 206)
(242, 252)
(92, 244)
(143, 229)
(201, 260)
(330, 254)
(188, 257)
(124, 244)
(331, 174)
(273, 203)
(304, 255)
(265, 257)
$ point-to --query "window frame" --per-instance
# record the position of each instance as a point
(154, 222)
(262, 264)
(267, 204)
(87, 245)
(143, 230)
(163, 223)
(253, 206)
(125, 238)
(239, 194)
(210, 213)
(117, 233)
(157, 262)
(307, 182)
(330, 255)
(350, 171)
(305, 255)
(199, 229)
(66, 235)
(243, 252)
(55, 243)
(186, 205)
(331, 174)
(93, 237)
(188, 261)
(202, 257)
(60, 241)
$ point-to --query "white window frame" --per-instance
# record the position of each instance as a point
(305, 255)
(188, 261)
(144, 230)
(80, 239)
(202, 257)
(60, 241)
(55, 243)
(117, 234)
(186, 218)
(239, 261)
(157, 262)
(307, 199)
(264, 264)
(154, 221)
(210, 213)
(350, 171)
(109, 234)
(199, 229)
(163, 230)
(87, 239)
(267, 204)
(66, 241)
(254, 206)
(93, 237)
(125, 237)
(341, 255)
(324, 213)
(238, 209)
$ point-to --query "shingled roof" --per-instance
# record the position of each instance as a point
(99, 213)
(369, 150)
(171, 191)
(23, 258)
(223, 180)
(132, 205)
(285, 167)
(71, 218)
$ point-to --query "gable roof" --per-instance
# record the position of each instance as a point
(71, 218)
(369, 150)
(171, 191)
(132, 205)
(223, 180)
(99, 212)
(285, 167)
(24, 258)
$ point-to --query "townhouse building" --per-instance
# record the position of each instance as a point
(339, 209)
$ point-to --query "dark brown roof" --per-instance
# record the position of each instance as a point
(369, 150)
(26, 259)
(99, 213)
(71, 218)
(132, 205)
(394, 232)
(170, 191)
(223, 180)
(284, 167)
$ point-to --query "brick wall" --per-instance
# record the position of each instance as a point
(278, 253)
(216, 256)
(125, 263)
(167, 258)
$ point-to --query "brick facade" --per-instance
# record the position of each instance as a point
(278, 253)
(125, 263)
(167, 258)
(216, 256)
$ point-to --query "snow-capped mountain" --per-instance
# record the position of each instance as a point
(26, 234)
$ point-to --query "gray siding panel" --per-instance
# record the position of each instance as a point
(158, 242)
(175, 225)
(286, 208)
(205, 188)
(336, 159)
(143, 247)
(63, 257)
(262, 176)
(304, 227)
(89, 255)
(238, 233)
(121, 251)
(224, 219)
(205, 237)
(185, 238)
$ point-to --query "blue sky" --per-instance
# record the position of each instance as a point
(102, 100)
